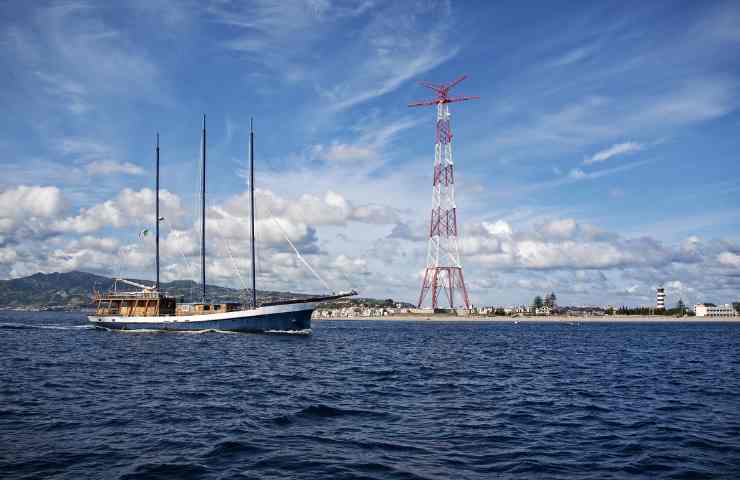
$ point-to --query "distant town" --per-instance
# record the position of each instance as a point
(72, 292)
(547, 306)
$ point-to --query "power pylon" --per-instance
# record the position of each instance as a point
(443, 270)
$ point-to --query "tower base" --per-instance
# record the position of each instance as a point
(443, 278)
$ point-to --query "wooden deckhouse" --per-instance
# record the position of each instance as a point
(144, 303)
(149, 302)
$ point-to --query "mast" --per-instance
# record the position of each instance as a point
(251, 209)
(156, 218)
(203, 215)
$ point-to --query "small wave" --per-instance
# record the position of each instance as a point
(167, 470)
(366, 444)
(232, 448)
(305, 331)
(20, 326)
(322, 411)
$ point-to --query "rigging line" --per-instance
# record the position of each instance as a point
(235, 265)
(191, 269)
(300, 257)
(345, 278)
(119, 261)
(273, 169)
(225, 242)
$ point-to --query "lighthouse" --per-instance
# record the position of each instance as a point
(660, 299)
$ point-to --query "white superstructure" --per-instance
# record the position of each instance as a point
(704, 310)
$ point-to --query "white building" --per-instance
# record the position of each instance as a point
(704, 310)
(660, 299)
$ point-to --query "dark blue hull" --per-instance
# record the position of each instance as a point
(285, 321)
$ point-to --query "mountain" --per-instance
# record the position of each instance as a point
(75, 290)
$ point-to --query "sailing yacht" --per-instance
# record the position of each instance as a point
(149, 308)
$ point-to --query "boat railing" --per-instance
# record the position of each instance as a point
(131, 296)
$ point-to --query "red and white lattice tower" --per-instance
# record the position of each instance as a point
(444, 270)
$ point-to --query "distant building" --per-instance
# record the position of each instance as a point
(709, 310)
(660, 299)
(422, 311)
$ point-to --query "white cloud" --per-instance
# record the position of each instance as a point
(28, 211)
(110, 168)
(729, 259)
(405, 231)
(562, 244)
(340, 152)
(614, 150)
(349, 265)
(499, 228)
(564, 228)
(33, 201)
(99, 158)
(577, 174)
(573, 56)
(103, 244)
(75, 56)
(330, 209)
(70, 93)
(7, 255)
(129, 208)
(698, 100)
(394, 43)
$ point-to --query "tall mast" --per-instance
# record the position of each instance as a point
(251, 209)
(203, 216)
(156, 219)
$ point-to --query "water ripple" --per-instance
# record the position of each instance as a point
(373, 400)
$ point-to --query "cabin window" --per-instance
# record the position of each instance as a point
(217, 307)
(206, 307)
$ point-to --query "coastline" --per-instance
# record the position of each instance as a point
(541, 319)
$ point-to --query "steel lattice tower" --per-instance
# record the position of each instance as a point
(443, 270)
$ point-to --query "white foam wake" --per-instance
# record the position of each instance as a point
(167, 330)
(305, 331)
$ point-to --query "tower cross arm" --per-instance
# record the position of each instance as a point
(460, 99)
(432, 86)
(456, 82)
(424, 103)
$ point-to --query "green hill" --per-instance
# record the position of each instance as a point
(75, 290)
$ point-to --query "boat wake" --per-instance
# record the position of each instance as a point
(161, 330)
(17, 326)
(305, 331)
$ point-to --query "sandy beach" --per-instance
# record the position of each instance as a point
(540, 319)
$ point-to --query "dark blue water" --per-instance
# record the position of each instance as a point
(372, 400)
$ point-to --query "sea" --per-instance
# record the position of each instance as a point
(370, 400)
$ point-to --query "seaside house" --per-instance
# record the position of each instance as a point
(711, 310)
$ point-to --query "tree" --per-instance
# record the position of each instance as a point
(736, 306)
(537, 303)
(551, 300)
(680, 306)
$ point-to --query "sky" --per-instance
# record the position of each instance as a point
(600, 161)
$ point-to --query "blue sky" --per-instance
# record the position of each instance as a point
(599, 162)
